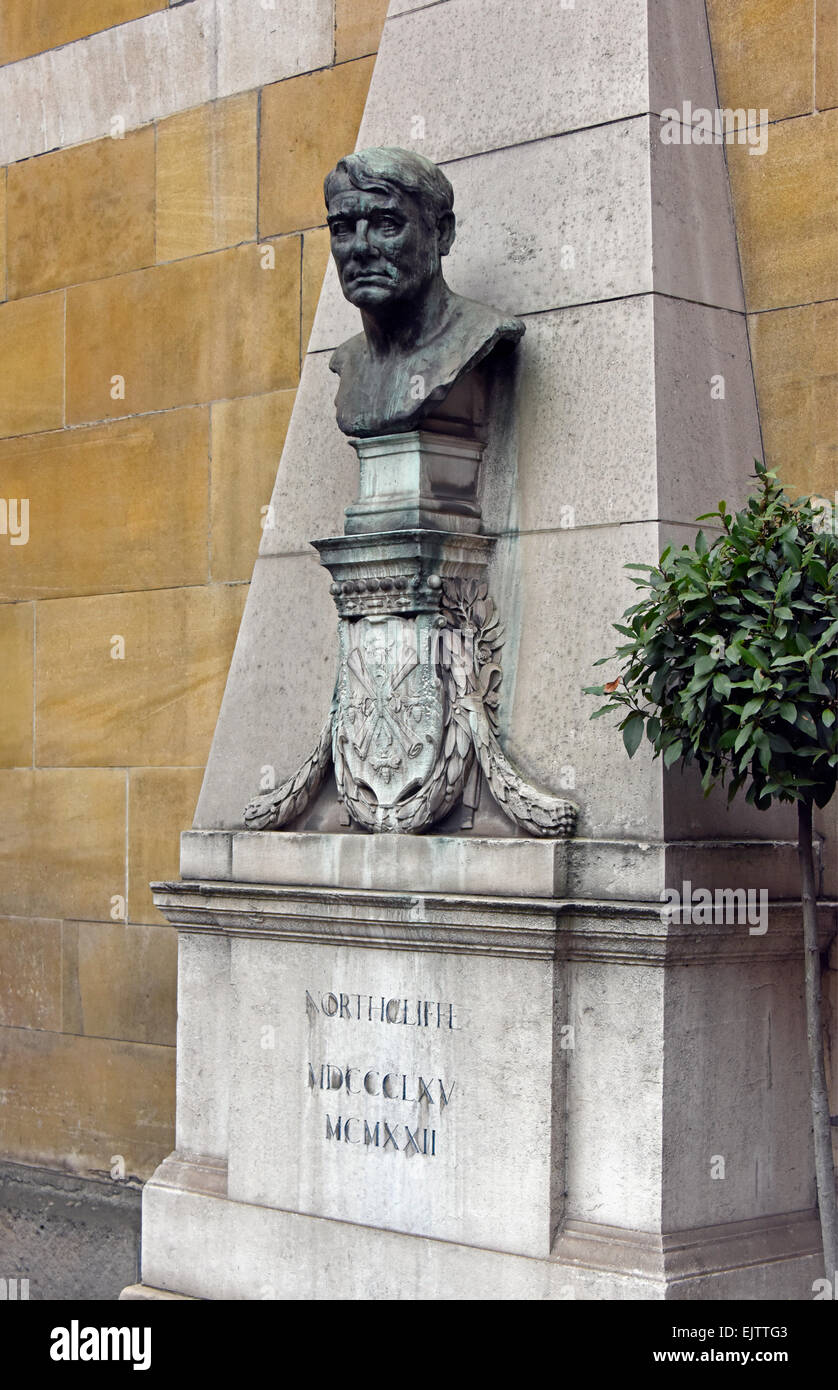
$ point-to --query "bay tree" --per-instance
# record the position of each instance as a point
(730, 664)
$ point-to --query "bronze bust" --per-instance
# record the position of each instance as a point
(391, 218)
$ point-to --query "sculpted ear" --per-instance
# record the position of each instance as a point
(446, 230)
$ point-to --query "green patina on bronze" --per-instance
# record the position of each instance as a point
(391, 220)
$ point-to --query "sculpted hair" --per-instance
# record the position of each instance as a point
(377, 170)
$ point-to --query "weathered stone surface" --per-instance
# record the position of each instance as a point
(159, 329)
(17, 664)
(120, 981)
(481, 1174)
(315, 261)
(203, 1046)
(358, 25)
(796, 367)
(256, 45)
(3, 178)
(84, 537)
(154, 706)
(71, 1237)
(71, 822)
(826, 55)
(84, 1100)
(427, 863)
(132, 74)
(468, 108)
(30, 973)
(32, 365)
(764, 54)
(207, 178)
(81, 214)
(30, 26)
(161, 800)
(247, 439)
(279, 689)
(788, 197)
(309, 503)
(307, 124)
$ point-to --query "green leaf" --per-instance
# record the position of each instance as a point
(633, 733)
(828, 718)
(673, 753)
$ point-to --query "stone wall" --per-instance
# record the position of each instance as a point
(158, 284)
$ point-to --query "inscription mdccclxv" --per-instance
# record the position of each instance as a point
(372, 1081)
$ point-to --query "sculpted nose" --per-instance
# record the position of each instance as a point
(361, 247)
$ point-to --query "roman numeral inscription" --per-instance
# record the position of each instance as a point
(380, 1089)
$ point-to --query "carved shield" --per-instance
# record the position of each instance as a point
(391, 705)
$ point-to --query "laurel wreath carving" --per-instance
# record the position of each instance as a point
(471, 676)
(276, 808)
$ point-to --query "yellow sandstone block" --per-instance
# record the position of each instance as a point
(225, 324)
(763, 54)
(826, 55)
(206, 178)
(16, 680)
(81, 214)
(307, 124)
(73, 1103)
(119, 506)
(358, 26)
(133, 679)
(247, 440)
(161, 803)
(30, 973)
(316, 250)
(796, 370)
(120, 981)
(62, 842)
(3, 182)
(786, 204)
(32, 26)
(32, 365)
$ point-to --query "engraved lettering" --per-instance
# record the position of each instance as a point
(332, 1000)
(332, 1132)
(443, 1098)
(425, 1091)
(351, 1120)
(367, 1087)
(344, 1006)
(348, 1073)
(392, 1004)
(371, 1135)
(388, 1091)
(389, 1136)
(411, 1139)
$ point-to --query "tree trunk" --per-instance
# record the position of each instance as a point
(824, 1167)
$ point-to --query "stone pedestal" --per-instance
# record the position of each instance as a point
(481, 1086)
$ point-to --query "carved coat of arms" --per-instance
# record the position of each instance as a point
(390, 706)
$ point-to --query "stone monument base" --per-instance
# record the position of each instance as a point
(500, 1084)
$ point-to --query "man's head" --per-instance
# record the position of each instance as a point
(391, 220)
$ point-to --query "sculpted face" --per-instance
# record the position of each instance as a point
(385, 250)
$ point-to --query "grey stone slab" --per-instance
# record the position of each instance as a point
(680, 56)
(484, 75)
(279, 689)
(546, 725)
(137, 72)
(317, 476)
(737, 1091)
(587, 435)
(392, 863)
(705, 445)
(692, 223)
(203, 1084)
(613, 1147)
(206, 854)
(312, 1053)
(259, 44)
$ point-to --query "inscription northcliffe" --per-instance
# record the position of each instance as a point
(383, 1083)
(377, 1008)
